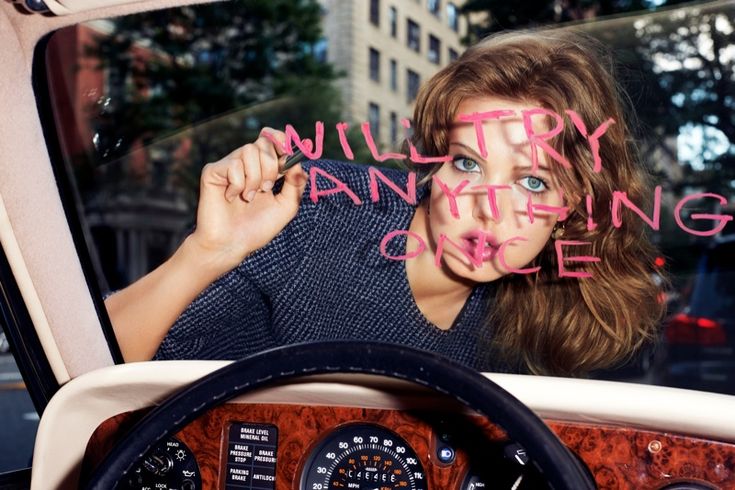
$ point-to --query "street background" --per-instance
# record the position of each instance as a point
(18, 418)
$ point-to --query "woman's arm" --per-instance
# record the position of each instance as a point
(237, 214)
(142, 313)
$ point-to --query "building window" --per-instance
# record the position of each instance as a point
(374, 65)
(321, 50)
(394, 75)
(412, 85)
(375, 12)
(413, 35)
(434, 7)
(374, 119)
(393, 22)
(453, 17)
(393, 127)
(435, 48)
(453, 55)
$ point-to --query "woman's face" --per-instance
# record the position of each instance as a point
(508, 169)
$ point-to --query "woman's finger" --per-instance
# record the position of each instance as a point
(250, 157)
(268, 163)
(277, 139)
(234, 177)
(226, 173)
(293, 186)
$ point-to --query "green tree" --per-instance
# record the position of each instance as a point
(534, 13)
(674, 63)
(688, 53)
(209, 76)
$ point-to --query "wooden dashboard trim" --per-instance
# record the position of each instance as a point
(618, 457)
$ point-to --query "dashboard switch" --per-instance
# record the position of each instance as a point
(445, 454)
(516, 453)
(159, 463)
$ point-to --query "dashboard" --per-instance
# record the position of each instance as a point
(305, 434)
(309, 447)
(317, 448)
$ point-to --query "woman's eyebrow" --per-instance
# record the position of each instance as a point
(475, 155)
(530, 167)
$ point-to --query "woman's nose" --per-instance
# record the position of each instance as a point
(490, 202)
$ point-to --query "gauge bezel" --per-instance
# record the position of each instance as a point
(329, 435)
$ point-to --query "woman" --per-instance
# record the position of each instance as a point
(265, 268)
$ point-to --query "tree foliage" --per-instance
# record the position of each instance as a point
(194, 83)
(534, 13)
(676, 64)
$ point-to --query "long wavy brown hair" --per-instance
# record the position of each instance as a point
(542, 323)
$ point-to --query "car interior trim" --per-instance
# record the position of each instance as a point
(21, 336)
(286, 364)
(639, 459)
(35, 222)
(30, 296)
(85, 402)
(70, 199)
(68, 7)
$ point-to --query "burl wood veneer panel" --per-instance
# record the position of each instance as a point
(625, 458)
(300, 429)
(619, 458)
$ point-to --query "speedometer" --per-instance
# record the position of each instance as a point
(363, 457)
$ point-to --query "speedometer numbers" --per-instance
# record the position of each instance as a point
(363, 457)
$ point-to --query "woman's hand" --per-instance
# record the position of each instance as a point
(238, 212)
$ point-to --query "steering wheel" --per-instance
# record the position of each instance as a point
(558, 464)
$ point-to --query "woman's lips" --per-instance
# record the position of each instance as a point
(480, 244)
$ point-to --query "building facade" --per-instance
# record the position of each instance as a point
(386, 49)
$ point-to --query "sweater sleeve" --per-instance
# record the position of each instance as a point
(231, 318)
(228, 320)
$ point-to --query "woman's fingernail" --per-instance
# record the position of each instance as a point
(267, 185)
(250, 195)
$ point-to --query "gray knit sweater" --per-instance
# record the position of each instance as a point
(324, 278)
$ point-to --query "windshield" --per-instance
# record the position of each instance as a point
(143, 103)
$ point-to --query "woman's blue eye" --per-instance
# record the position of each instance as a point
(533, 184)
(464, 164)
